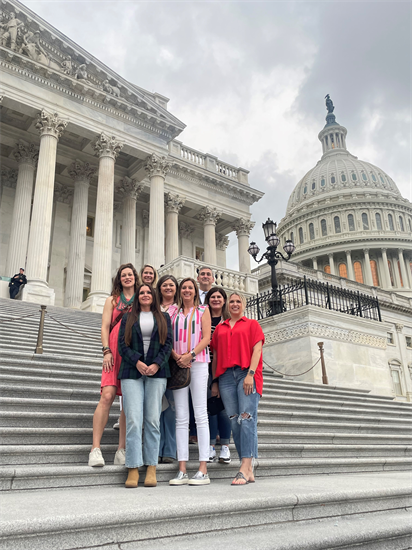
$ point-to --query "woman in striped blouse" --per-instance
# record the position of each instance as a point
(191, 336)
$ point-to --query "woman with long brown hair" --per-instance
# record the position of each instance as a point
(145, 343)
(148, 275)
(124, 288)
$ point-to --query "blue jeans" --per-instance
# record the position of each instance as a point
(168, 428)
(220, 423)
(142, 405)
(241, 410)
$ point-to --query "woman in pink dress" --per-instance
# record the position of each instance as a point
(119, 303)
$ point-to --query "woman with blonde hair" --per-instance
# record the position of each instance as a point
(125, 284)
(191, 336)
(148, 275)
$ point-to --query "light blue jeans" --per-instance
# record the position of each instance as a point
(241, 410)
(142, 405)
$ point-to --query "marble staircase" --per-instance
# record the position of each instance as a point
(334, 469)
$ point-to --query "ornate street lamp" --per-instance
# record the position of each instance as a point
(272, 255)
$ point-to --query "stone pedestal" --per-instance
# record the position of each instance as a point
(107, 148)
(37, 290)
(26, 156)
(243, 228)
(209, 216)
(157, 168)
(174, 204)
(81, 173)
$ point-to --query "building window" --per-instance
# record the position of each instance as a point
(400, 274)
(351, 222)
(326, 269)
(354, 176)
(311, 232)
(396, 377)
(305, 189)
(322, 182)
(343, 177)
(391, 273)
(364, 176)
(90, 227)
(301, 235)
(390, 221)
(378, 221)
(401, 223)
(199, 253)
(313, 185)
(343, 272)
(382, 180)
(357, 268)
(336, 222)
(408, 340)
(373, 177)
(333, 179)
(389, 338)
(374, 269)
(410, 225)
(365, 221)
(323, 227)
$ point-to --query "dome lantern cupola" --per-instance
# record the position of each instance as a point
(333, 135)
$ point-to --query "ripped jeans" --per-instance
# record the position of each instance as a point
(241, 410)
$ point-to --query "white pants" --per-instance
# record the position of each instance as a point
(199, 373)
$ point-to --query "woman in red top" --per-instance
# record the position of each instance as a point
(237, 372)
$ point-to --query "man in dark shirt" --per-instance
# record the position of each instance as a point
(16, 282)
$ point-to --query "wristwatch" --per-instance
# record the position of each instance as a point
(193, 354)
(252, 372)
(105, 347)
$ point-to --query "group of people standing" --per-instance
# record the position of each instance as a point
(148, 322)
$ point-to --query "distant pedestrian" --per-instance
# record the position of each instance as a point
(16, 282)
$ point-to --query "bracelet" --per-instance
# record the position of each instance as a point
(107, 351)
(105, 347)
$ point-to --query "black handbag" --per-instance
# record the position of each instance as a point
(179, 378)
(215, 405)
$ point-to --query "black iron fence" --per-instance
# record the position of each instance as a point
(315, 293)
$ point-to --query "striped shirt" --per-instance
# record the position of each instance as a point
(181, 330)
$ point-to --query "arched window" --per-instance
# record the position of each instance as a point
(400, 273)
(401, 223)
(382, 180)
(391, 273)
(373, 177)
(323, 227)
(378, 221)
(375, 276)
(343, 272)
(311, 232)
(322, 182)
(326, 269)
(351, 222)
(343, 177)
(305, 189)
(333, 179)
(365, 221)
(390, 221)
(354, 176)
(357, 268)
(336, 222)
(410, 224)
(300, 235)
(364, 176)
(313, 185)
(291, 236)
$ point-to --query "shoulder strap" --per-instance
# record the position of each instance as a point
(119, 318)
(189, 335)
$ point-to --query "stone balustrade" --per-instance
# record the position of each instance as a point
(229, 279)
(191, 155)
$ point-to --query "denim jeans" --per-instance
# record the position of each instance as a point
(236, 403)
(168, 428)
(218, 423)
(142, 405)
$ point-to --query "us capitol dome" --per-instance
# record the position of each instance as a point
(348, 218)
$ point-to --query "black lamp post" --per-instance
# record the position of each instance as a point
(272, 255)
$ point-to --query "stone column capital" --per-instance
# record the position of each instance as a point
(399, 327)
(9, 177)
(366, 251)
(127, 187)
(174, 203)
(157, 166)
(400, 251)
(314, 258)
(243, 227)
(222, 241)
(49, 124)
(330, 254)
(348, 252)
(107, 146)
(26, 153)
(145, 217)
(185, 229)
(79, 170)
(384, 250)
(62, 193)
(209, 215)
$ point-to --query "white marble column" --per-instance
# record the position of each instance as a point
(145, 219)
(331, 264)
(408, 270)
(222, 242)
(314, 263)
(174, 204)
(368, 270)
(50, 127)
(81, 174)
(349, 265)
(26, 155)
(243, 227)
(129, 190)
(157, 168)
(186, 231)
(107, 149)
(386, 273)
(401, 261)
(209, 216)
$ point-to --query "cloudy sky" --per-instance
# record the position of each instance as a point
(249, 78)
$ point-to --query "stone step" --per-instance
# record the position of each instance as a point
(327, 426)
(51, 350)
(31, 326)
(334, 408)
(28, 419)
(77, 518)
(46, 359)
(370, 531)
(55, 436)
(33, 372)
(51, 337)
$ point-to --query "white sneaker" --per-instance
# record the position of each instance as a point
(96, 457)
(199, 479)
(180, 479)
(116, 425)
(224, 457)
(212, 454)
(120, 457)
